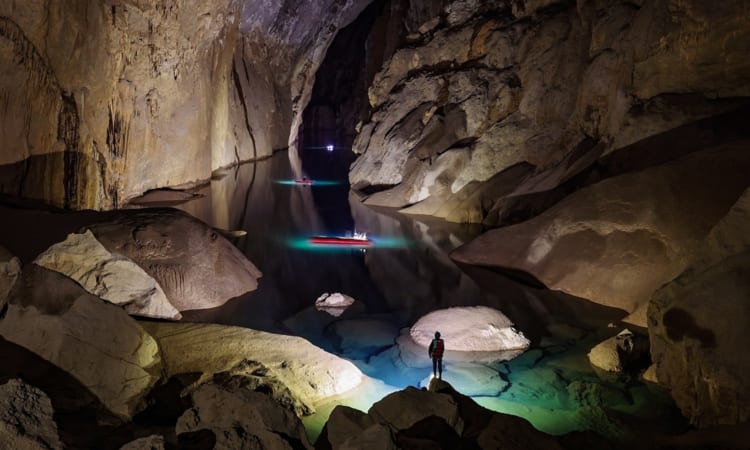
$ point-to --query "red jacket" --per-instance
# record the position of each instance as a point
(437, 347)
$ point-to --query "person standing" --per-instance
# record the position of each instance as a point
(437, 348)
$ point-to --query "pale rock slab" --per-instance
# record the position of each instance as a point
(113, 278)
(26, 418)
(96, 342)
(241, 418)
(310, 373)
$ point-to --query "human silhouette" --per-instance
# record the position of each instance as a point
(437, 348)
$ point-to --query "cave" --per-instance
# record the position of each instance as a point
(355, 224)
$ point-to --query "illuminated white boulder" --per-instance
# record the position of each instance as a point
(471, 333)
(334, 304)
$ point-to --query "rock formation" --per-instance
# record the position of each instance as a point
(26, 420)
(94, 341)
(309, 373)
(440, 417)
(242, 419)
(115, 279)
(490, 101)
(698, 326)
(615, 242)
(195, 265)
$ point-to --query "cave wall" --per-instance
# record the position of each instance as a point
(102, 101)
(484, 87)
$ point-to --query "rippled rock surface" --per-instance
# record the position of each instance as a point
(196, 266)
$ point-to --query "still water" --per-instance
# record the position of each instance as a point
(403, 277)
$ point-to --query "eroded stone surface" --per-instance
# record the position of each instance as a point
(96, 342)
(617, 241)
(115, 279)
(195, 265)
(26, 420)
(241, 418)
(490, 86)
(698, 326)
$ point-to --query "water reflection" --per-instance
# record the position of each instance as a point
(404, 275)
(394, 285)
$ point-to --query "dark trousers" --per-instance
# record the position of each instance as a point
(437, 366)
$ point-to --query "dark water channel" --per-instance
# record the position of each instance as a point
(405, 276)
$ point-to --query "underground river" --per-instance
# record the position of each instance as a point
(406, 275)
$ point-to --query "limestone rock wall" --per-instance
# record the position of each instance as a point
(698, 326)
(485, 89)
(102, 101)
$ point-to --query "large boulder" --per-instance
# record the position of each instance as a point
(698, 326)
(113, 278)
(96, 342)
(471, 333)
(242, 419)
(310, 374)
(26, 418)
(195, 265)
(10, 269)
(631, 233)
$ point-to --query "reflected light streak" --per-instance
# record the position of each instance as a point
(292, 182)
(303, 243)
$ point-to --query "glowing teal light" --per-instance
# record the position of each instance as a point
(302, 243)
(314, 183)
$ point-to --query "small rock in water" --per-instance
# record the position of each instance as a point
(334, 304)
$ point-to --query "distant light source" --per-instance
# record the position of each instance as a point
(329, 147)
